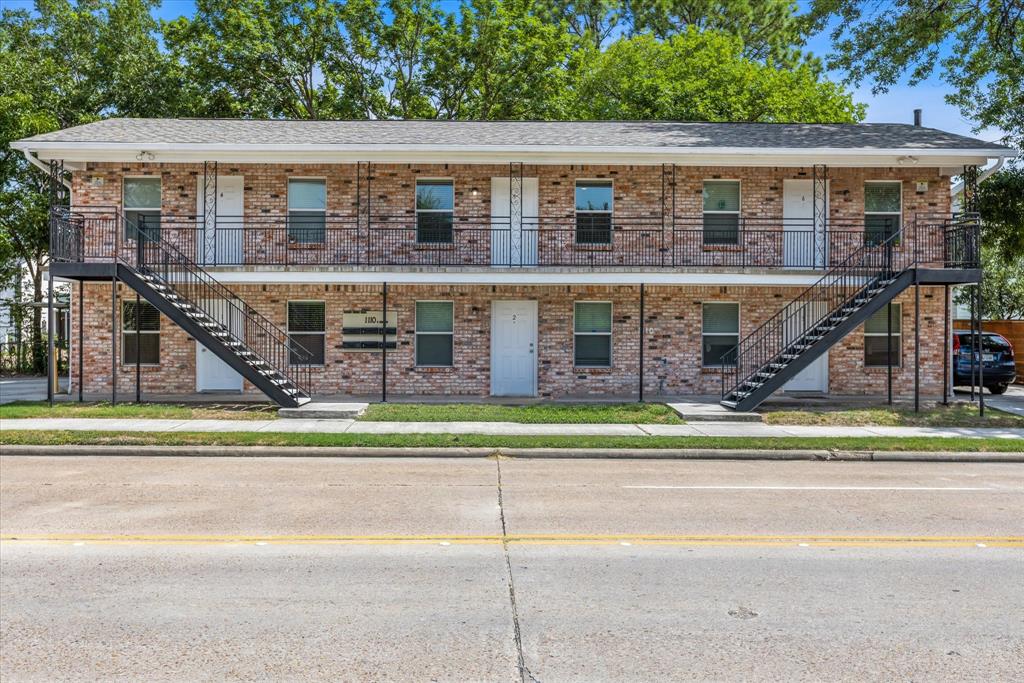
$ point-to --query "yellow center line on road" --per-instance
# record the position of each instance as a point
(534, 539)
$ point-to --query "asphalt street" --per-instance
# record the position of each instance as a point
(370, 569)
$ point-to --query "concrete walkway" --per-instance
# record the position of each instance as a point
(497, 428)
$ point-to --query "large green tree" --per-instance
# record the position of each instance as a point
(64, 64)
(703, 76)
(977, 47)
(1001, 204)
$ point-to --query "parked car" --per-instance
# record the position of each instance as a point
(996, 354)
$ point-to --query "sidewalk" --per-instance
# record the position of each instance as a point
(737, 429)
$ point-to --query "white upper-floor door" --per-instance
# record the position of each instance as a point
(802, 246)
(514, 232)
(221, 242)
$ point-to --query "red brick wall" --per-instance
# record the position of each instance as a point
(391, 189)
(672, 351)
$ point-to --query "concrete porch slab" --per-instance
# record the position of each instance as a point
(317, 410)
(710, 411)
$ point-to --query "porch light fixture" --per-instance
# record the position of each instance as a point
(144, 156)
(907, 161)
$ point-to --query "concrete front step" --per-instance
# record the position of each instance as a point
(698, 411)
(314, 410)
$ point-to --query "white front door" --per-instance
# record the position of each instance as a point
(815, 376)
(213, 374)
(514, 234)
(514, 348)
(799, 245)
(222, 242)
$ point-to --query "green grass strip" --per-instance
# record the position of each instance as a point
(550, 413)
(149, 411)
(57, 438)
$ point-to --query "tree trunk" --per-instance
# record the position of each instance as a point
(38, 342)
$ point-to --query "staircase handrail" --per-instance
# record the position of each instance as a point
(146, 239)
(908, 258)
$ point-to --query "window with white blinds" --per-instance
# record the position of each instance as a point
(140, 199)
(592, 334)
(145, 345)
(307, 210)
(307, 327)
(883, 209)
(721, 211)
(720, 333)
(435, 331)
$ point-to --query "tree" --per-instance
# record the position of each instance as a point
(592, 21)
(1001, 204)
(977, 46)
(62, 65)
(769, 29)
(497, 59)
(1002, 288)
(703, 76)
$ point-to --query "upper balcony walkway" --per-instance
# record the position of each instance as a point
(615, 242)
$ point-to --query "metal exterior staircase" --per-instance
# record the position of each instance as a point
(852, 291)
(212, 314)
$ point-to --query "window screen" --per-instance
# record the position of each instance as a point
(146, 320)
(434, 333)
(882, 211)
(593, 334)
(435, 207)
(307, 210)
(141, 198)
(594, 199)
(721, 212)
(876, 341)
(307, 327)
(720, 333)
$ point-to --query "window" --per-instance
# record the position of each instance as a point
(146, 320)
(141, 202)
(883, 203)
(435, 211)
(307, 327)
(434, 333)
(593, 334)
(876, 342)
(720, 333)
(594, 212)
(307, 211)
(721, 212)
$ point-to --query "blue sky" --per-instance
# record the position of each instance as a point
(895, 106)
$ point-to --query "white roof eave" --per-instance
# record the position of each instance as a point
(540, 154)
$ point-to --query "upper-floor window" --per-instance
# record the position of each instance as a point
(307, 210)
(141, 203)
(307, 327)
(140, 333)
(720, 333)
(883, 209)
(594, 211)
(435, 211)
(721, 211)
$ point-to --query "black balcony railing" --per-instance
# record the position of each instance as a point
(570, 241)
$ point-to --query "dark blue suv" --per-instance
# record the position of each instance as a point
(996, 354)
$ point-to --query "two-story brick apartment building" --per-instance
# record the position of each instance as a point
(551, 259)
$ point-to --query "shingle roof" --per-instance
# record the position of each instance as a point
(640, 134)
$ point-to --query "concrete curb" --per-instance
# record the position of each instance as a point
(524, 453)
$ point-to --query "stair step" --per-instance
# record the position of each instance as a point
(728, 404)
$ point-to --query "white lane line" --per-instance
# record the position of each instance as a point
(826, 488)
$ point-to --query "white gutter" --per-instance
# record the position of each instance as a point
(40, 165)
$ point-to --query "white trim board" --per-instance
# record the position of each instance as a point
(513, 277)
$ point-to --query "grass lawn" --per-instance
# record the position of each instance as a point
(55, 437)
(614, 413)
(953, 415)
(167, 411)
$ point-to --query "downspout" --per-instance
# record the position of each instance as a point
(958, 189)
(43, 167)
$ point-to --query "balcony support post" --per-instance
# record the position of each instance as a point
(888, 347)
(51, 362)
(113, 338)
(81, 338)
(672, 242)
(642, 336)
(359, 212)
(209, 254)
(515, 213)
(384, 346)
(138, 348)
(947, 331)
(819, 213)
(917, 343)
(981, 355)
(970, 194)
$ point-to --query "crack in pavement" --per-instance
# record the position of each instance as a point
(524, 673)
